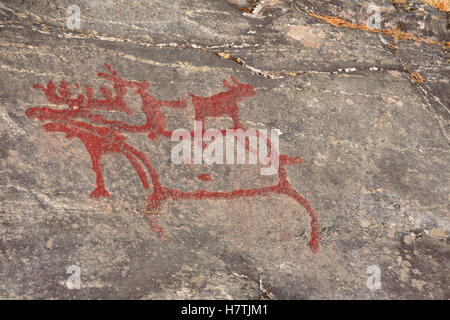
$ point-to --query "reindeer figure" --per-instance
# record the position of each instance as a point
(224, 103)
(101, 136)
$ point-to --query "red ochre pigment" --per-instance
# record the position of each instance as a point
(101, 136)
(205, 177)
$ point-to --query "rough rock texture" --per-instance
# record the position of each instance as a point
(351, 103)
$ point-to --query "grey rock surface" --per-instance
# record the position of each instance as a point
(374, 144)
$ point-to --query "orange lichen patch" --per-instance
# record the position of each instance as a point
(443, 5)
(392, 47)
(396, 33)
(416, 77)
(245, 9)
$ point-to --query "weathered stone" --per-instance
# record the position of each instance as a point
(374, 144)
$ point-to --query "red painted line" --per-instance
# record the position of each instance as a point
(205, 177)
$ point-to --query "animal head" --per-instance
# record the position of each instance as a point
(244, 90)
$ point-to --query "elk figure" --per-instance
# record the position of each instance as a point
(224, 103)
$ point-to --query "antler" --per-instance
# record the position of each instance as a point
(226, 84)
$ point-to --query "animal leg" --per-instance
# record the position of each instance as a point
(97, 167)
